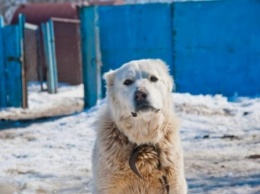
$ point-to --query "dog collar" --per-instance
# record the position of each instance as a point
(132, 162)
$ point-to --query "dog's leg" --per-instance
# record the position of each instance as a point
(107, 191)
(109, 186)
(177, 183)
(180, 189)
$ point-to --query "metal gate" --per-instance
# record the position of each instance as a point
(68, 53)
(13, 90)
(62, 54)
(130, 32)
(127, 33)
(212, 47)
(217, 47)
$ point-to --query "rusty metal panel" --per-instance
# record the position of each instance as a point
(36, 13)
(39, 12)
(68, 52)
(31, 65)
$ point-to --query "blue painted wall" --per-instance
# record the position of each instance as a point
(13, 68)
(91, 70)
(217, 47)
(11, 65)
(212, 47)
(132, 32)
(2, 66)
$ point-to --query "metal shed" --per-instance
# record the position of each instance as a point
(37, 13)
(67, 44)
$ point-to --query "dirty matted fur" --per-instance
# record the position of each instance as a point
(139, 112)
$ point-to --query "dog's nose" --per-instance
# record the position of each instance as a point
(140, 95)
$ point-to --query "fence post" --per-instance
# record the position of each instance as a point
(39, 56)
(2, 66)
(51, 36)
(50, 56)
(90, 57)
(46, 53)
(21, 25)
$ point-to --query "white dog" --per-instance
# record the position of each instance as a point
(138, 149)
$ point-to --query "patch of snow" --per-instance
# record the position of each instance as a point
(68, 100)
(221, 142)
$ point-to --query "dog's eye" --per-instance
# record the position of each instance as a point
(153, 78)
(128, 82)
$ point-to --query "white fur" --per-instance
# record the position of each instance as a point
(119, 132)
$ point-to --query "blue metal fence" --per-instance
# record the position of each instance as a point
(12, 87)
(212, 47)
(2, 67)
(132, 32)
(217, 47)
(90, 55)
(135, 31)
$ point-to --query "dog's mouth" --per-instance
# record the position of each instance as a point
(144, 108)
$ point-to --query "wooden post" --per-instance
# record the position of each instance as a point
(21, 25)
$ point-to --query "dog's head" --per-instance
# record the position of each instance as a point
(139, 91)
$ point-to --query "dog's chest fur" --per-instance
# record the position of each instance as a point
(153, 162)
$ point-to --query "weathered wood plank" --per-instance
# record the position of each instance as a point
(21, 26)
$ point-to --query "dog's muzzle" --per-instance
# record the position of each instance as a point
(141, 103)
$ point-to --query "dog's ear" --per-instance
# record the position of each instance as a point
(109, 78)
(171, 85)
(170, 82)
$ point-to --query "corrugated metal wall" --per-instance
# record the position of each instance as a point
(212, 47)
(132, 32)
(67, 39)
(68, 53)
(31, 54)
(217, 47)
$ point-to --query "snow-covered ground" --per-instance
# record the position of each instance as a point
(221, 141)
(41, 104)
